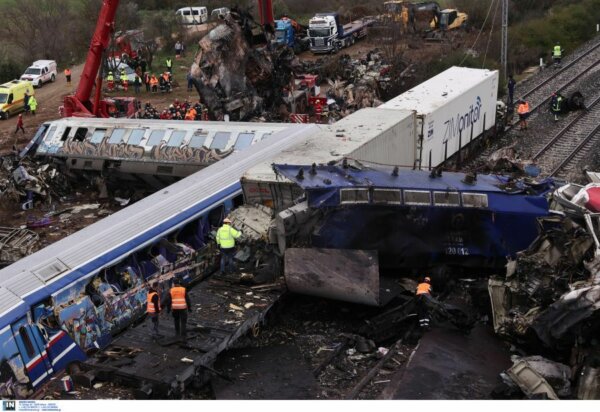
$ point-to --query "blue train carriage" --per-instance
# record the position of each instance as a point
(67, 300)
(83, 312)
(419, 220)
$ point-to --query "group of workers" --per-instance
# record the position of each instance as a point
(177, 300)
(176, 111)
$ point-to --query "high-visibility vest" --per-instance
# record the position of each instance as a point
(110, 78)
(557, 103)
(226, 236)
(178, 298)
(67, 72)
(523, 108)
(169, 63)
(153, 81)
(423, 289)
(150, 306)
(32, 103)
(557, 51)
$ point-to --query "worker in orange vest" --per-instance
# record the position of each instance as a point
(178, 301)
(153, 307)
(68, 75)
(423, 293)
(154, 83)
(523, 112)
(191, 114)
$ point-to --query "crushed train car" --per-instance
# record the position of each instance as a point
(156, 151)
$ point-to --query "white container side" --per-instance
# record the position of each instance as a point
(373, 135)
(453, 108)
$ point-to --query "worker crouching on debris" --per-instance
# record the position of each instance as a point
(153, 308)
(179, 302)
(423, 293)
(226, 236)
(523, 112)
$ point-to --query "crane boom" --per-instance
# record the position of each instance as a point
(80, 103)
(265, 10)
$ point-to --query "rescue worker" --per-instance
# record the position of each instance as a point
(511, 90)
(32, 104)
(423, 293)
(556, 105)
(154, 83)
(178, 301)
(169, 64)
(523, 112)
(226, 236)
(20, 124)
(137, 84)
(191, 114)
(110, 80)
(26, 101)
(124, 81)
(153, 307)
(68, 76)
(557, 53)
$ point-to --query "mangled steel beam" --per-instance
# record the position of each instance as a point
(347, 275)
(530, 381)
(16, 243)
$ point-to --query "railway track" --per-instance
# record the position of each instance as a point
(539, 94)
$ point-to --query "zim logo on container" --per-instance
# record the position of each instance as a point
(9, 405)
(463, 121)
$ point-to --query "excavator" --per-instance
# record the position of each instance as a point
(81, 104)
(423, 16)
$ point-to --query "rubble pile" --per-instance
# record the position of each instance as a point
(547, 305)
(236, 79)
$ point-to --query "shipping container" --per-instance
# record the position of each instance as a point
(382, 137)
(453, 109)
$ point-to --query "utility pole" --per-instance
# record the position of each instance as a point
(504, 48)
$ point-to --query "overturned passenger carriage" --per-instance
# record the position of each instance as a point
(133, 149)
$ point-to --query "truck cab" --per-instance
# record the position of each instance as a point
(284, 33)
(450, 19)
(40, 72)
(323, 31)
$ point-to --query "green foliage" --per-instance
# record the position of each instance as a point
(10, 70)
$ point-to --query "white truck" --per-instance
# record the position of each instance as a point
(327, 35)
(40, 72)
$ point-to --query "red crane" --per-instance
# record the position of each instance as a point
(265, 11)
(79, 104)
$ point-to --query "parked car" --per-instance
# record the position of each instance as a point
(40, 72)
(12, 97)
(192, 15)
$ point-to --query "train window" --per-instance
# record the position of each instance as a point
(220, 140)
(155, 137)
(198, 139)
(65, 134)
(80, 134)
(474, 200)
(98, 136)
(446, 199)
(26, 341)
(417, 197)
(136, 136)
(176, 138)
(215, 216)
(117, 136)
(244, 140)
(387, 196)
(354, 196)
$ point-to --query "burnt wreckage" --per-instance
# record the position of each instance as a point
(236, 79)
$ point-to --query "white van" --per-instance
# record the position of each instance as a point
(40, 72)
(192, 15)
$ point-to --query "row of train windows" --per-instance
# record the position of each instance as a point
(198, 139)
(413, 197)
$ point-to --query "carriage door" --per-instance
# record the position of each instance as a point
(34, 356)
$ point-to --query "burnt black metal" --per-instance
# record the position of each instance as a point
(169, 365)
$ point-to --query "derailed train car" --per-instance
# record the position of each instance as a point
(165, 149)
(69, 298)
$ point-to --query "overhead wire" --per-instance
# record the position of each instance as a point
(491, 32)
(479, 34)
